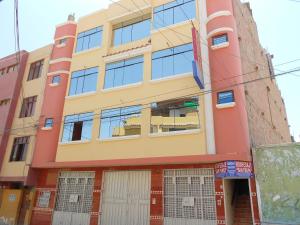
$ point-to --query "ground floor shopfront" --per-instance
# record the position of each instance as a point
(141, 195)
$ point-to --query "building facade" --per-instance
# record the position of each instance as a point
(127, 134)
(16, 174)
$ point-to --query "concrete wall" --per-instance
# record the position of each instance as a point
(265, 107)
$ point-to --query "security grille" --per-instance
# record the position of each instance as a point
(75, 192)
(189, 197)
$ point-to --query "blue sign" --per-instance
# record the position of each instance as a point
(198, 76)
(234, 169)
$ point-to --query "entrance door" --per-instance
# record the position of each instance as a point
(74, 198)
(126, 198)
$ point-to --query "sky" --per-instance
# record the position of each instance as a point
(277, 22)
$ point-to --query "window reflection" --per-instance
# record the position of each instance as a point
(172, 61)
(78, 127)
(120, 122)
(174, 12)
(175, 115)
(89, 39)
(132, 30)
(83, 81)
(124, 72)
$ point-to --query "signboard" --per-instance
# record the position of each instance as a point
(188, 201)
(277, 173)
(73, 198)
(44, 199)
(233, 169)
(197, 62)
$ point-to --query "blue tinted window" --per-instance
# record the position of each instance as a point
(89, 39)
(225, 97)
(120, 122)
(172, 61)
(56, 79)
(49, 122)
(219, 39)
(132, 32)
(77, 127)
(83, 81)
(174, 12)
(124, 72)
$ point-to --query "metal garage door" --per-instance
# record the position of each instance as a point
(126, 198)
(74, 198)
(189, 197)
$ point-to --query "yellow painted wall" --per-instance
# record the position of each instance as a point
(146, 145)
(24, 126)
(10, 205)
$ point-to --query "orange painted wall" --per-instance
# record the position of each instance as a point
(54, 97)
(231, 126)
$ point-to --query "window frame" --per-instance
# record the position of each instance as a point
(53, 79)
(47, 124)
(125, 64)
(118, 114)
(224, 92)
(84, 75)
(15, 148)
(156, 107)
(219, 37)
(87, 117)
(88, 34)
(166, 56)
(28, 103)
(35, 70)
(131, 24)
(171, 6)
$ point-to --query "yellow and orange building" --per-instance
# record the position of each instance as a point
(126, 133)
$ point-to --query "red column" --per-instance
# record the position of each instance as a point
(254, 200)
(156, 199)
(96, 198)
(231, 124)
(220, 203)
(54, 97)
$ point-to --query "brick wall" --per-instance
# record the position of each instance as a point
(265, 107)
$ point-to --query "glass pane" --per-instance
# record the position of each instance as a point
(109, 79)
(179, 15)
(126, 34)
(119, 74)
(141, 30)
(118, 37)
(90, 83)
(86, 41)
(168, 17)
(190, 9)
(95, 40)
(133, 73)
(104, 128)
(79, 88)
(87, 130)
(183, 63)
(79, 44)
(175, 115)
(73, 87)
(67, 132)
(115, 128)
(168, 66)
(158, 20)
(157, 68)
